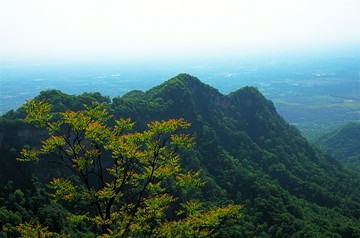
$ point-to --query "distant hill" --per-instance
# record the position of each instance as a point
(343, 144)
(248, 154)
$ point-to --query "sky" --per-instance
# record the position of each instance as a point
(173, 28)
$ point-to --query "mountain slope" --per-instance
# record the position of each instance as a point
(249, 155)
(254, 156)
(343, 144)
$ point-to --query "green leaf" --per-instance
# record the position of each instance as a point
(38, 112)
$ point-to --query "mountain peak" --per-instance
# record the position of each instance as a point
(182, 85)
(190, 82)
(187, 78)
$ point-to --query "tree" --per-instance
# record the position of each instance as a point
(125, 180)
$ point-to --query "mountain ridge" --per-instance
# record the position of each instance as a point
(249, 155)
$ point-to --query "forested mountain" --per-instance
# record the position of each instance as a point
(343, 144)
(248, 155)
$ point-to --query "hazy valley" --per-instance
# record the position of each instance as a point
(317, 93)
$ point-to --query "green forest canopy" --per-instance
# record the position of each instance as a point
(247, 153)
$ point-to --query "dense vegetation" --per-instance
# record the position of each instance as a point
(344, 144)
(248, 155)
(124, 182)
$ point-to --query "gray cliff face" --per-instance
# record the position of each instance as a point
(16, 136)
(27, 134)
(2, 135)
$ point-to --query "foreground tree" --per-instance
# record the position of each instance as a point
(125, 179)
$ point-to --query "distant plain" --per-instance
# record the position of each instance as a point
(315, 93)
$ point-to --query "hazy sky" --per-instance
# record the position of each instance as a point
(173, 28)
